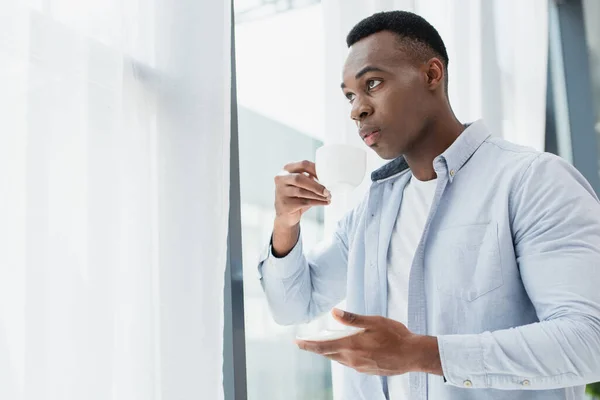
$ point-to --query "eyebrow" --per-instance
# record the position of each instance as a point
(368, 68)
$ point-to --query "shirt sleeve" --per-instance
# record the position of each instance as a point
(299, 287)
(556, 232)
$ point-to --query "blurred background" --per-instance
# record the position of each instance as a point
(530, 69)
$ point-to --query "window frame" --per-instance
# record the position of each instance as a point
(234, 335)
(570, 114)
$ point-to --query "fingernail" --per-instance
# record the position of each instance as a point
(338, 313)
(326, 193)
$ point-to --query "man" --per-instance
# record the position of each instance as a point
(472, 264)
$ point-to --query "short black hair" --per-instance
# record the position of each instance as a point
(419, 36)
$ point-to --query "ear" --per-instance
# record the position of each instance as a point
(436, 73)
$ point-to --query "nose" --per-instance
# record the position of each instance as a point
(360, 110)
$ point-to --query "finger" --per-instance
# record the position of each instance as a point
(367, 371)
(283, 172)
(293, 204)
(311, 176)
(339, 358)
(363, 368)
(351, 319)
(308, 183)
(298, 192)
(325, 348)
(302, 166)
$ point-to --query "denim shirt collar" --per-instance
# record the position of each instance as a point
(452, 159)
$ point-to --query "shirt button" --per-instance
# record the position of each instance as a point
(525, 382)
(468, 383)
(451, 172)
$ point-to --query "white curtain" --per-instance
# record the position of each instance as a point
(497, 71)
(114, 182)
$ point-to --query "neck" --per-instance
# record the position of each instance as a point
(438, 135)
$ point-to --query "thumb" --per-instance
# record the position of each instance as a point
(350, 319)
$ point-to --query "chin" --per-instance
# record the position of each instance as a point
(385, 152)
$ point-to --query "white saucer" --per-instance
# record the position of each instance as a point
(329, 334)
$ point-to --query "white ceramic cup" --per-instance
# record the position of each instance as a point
(340, 167)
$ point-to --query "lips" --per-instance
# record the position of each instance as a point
(368, 130)
(369, 134)
(371, 138)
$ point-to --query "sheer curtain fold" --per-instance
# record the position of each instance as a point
(114, 185)
(497, 71)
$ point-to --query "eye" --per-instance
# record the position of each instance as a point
(373, 83)
(350, 97)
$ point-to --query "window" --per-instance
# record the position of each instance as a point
(280, 119)
(591, 12)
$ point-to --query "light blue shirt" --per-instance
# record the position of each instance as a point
(506, 275)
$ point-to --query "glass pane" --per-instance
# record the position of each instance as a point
(591, 14)
(280, 121)
(248, 10)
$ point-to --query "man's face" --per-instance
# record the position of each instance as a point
(388, 94)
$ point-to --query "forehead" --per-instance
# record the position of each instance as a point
(381, 49)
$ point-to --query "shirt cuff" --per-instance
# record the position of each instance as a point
(462, 360)
(284, 267)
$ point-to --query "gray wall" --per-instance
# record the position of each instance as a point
(259, 136)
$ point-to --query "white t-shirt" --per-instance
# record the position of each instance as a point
(416, 202)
